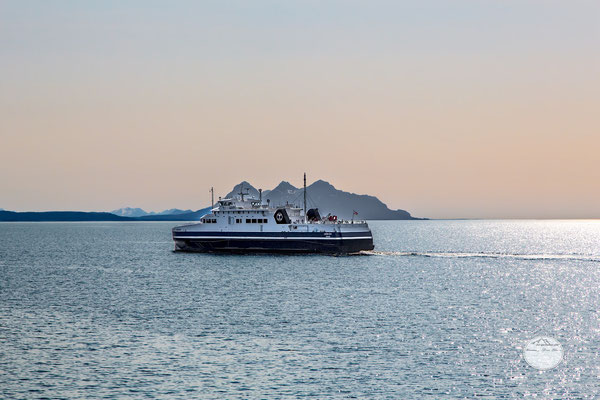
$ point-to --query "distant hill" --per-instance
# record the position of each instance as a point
(129, 212)
(327, 199)
(138, 212)
(183, 216)
(72, 216)
(320, 194)
(172, 211)
(57, 216)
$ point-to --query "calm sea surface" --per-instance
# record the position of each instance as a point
(441, 310)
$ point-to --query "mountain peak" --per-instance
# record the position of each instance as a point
(129, 212)
(322, 184)
(248, 188)
(285, 186)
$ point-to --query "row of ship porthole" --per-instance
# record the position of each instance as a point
(252, 221)
(237, 220)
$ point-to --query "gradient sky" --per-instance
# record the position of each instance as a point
(448, 109)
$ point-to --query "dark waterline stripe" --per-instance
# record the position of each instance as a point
(275, 234)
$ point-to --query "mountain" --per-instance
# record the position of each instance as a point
(129, 212)
(284, 193)
(327, 199)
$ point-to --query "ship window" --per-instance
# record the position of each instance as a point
(214, 221)
(253, 220)
(248, 220)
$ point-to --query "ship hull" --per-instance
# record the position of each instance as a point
(323, 245)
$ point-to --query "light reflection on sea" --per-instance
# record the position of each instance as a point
(441, 309)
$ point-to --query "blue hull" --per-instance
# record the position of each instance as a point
(289, 245)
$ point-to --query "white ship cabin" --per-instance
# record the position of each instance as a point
(249, 212)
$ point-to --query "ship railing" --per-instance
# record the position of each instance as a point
(340, 221)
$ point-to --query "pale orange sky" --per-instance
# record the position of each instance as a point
(465, 109)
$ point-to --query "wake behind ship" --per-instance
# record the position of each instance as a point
(245, 224)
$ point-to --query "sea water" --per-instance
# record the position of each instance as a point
(440, 310)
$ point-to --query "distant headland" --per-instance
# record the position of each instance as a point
(320, 194)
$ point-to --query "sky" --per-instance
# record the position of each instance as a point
(447, 109)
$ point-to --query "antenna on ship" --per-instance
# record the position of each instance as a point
(212, 198)
(305, 197)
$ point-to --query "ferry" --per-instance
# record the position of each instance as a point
(245, 224)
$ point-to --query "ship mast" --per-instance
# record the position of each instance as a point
(212, 198)
(241, 193)
(305, 197)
